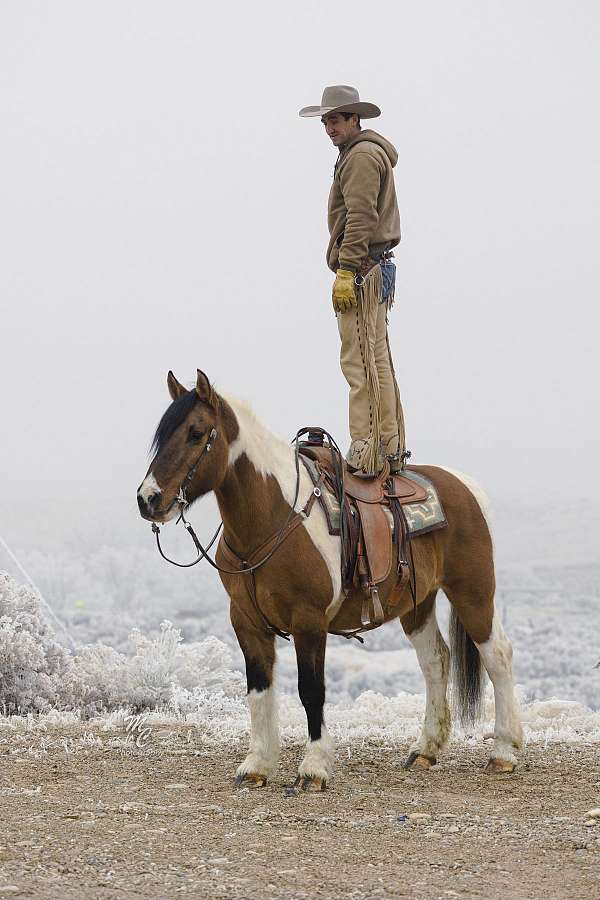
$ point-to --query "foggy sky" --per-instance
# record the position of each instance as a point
(163, 206)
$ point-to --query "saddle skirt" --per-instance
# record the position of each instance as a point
(381, 516)
(421, 504)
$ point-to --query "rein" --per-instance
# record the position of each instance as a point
(278, 538)
(183, 505)
(274, 543)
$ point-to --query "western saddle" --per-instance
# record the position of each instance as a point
(372, 526)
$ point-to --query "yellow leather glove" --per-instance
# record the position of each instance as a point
(344, 294)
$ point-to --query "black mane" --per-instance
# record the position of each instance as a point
(172, 418)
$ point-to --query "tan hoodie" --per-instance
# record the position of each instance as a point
(363, 210)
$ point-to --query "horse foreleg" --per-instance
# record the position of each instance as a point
(259, 652)
(496, 654)
(434, 656)
(316, 767)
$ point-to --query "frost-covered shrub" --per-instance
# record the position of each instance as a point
(99, 677)
(207, 665)
(33, 665)
(37, 673)
(152, 668)
(147, 678)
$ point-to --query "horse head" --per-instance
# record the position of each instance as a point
(190, 450)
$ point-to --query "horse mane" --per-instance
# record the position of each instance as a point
(172, 418)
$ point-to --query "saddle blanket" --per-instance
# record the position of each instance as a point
(420, 517)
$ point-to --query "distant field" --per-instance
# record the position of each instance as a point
(104, 578)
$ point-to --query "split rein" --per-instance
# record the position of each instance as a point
(280, 536)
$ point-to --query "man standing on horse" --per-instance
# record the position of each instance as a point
(364, 226)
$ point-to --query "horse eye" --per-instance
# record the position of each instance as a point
(195, 436)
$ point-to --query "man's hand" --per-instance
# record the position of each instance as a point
(344, 295)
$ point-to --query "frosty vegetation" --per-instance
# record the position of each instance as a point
(551, 612)
(37, 673)
(195, 685)
(112, 591)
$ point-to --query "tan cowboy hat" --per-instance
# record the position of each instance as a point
(342, 98)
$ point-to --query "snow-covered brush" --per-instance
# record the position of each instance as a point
(37, 673)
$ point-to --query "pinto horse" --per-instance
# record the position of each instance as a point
(298, 589)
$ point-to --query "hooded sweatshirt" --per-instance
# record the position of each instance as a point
(363, 210)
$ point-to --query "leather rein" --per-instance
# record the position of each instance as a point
(268, 548)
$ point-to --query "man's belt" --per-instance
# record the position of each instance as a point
(366, 265)
(369, 263)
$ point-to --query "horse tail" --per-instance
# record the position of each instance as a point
(467, 673)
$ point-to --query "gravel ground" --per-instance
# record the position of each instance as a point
(81, 818)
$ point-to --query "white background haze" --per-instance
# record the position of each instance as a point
(163, 206)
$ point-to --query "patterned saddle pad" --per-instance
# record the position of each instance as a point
(421, 517)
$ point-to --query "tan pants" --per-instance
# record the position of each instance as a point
(376, 418)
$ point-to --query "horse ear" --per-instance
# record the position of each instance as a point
(204, 388)
(175, 389)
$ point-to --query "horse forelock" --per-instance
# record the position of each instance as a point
(172, 418)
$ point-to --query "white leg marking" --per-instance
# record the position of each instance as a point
(318, 758)
(271, 456)
(148, 487)
(264, 734)
(496, 654)
(434, 658)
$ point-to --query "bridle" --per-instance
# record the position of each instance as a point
(249, 565)
(266, 550)
(188, 478)
(278, 538)
(183, 503)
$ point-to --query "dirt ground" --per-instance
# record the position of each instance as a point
(83, 820)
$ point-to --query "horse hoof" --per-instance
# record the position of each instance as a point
(418, 761)
(306, 784)
(250, 779)
(498, 766)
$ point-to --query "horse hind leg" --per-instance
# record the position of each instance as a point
(434, 656)
(477, 637)
(496, 654)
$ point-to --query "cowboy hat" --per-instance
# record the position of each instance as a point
(342, 98)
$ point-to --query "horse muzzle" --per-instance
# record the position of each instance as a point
(150, 502)
(148, 506)
(150, 509)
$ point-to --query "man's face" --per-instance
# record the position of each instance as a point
(338, 128)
